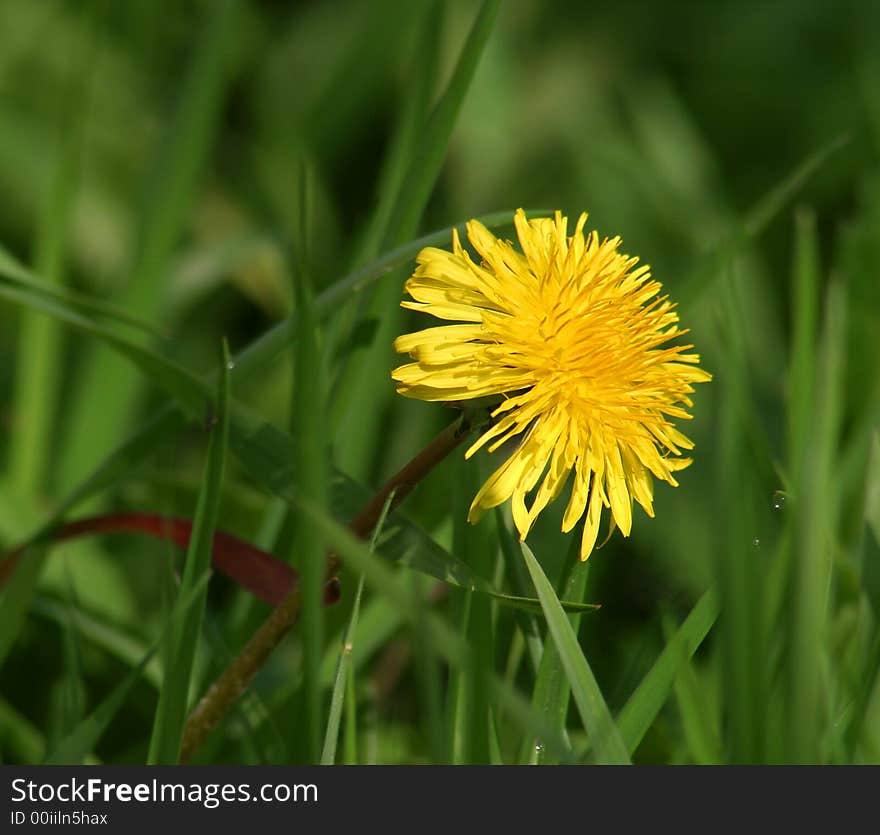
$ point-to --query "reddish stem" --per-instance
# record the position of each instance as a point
(260, 573)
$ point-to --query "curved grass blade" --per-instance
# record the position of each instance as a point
(606, 742)
(552, 690)
(19, 276)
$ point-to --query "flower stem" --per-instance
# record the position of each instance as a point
(226, 690)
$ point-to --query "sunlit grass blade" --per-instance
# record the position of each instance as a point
(645, 703)
(343, 685)
(185, 631)
(552, 689)
(607, 745)
(377, 624)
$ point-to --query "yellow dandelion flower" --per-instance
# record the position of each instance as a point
(572, 335)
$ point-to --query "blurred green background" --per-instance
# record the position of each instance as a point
(187, 161)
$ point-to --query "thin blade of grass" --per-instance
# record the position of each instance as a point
(186, 628)
(343, 684)
(607, 744)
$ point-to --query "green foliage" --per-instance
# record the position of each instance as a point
(267, 174)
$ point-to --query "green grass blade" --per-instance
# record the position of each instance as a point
(360, 393)
(17, 275)
(404, 144)
(343, 682)
(607, 744)
(275, 340)
(551, 692)
(649, 697)
(343, 685)
(425, 166)
(469, 720)
(774, 201)
(805, 308)
(697, 719)
(186, 629)
(814, 517)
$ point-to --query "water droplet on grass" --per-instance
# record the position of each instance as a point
(779, 500)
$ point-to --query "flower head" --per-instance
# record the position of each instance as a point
(573, 337)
